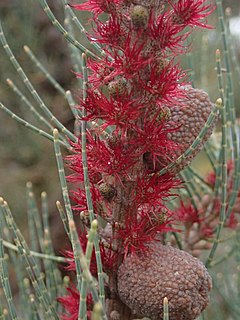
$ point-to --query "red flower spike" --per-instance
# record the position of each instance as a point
(164, 85)
(97, 6)
(110, 32)
(153, 190)
(187, 214)
(191, 12)
(120, 111)
(138, 232)
(165, 35)
(70, 303)
(132, 90)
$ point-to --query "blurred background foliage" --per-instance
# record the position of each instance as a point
(25, 156)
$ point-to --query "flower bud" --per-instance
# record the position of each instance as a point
(107, 191)
(139, 17)
(117, 88)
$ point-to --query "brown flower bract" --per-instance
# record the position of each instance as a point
(144, 280)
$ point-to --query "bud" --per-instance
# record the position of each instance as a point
(139, 17)
(117, 87)
(107, 191)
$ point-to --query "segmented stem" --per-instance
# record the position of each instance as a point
(31, 266)
(4, 276)
(230, 110)
(30, 126)
(78, 24)
(88, 254)
(39, 65)
(57, 259)
(32, 90)
(165, 309)
(64, 32)
(222, 215)
(64, 218)
(79, 258)
(52, 274)
(62, 176)
(87, 186)
(23, 98)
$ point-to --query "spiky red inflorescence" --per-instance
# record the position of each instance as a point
(70, 302)
(120, 111)
(139, 231)
(130, 88)
(165, 34)
(97, 6)
(192, 12)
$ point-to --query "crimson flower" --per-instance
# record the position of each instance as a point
(121, 110)
(154, 190)
(166, 35)
(186, 213)
(70, 302)
(138, 231)
(97, 6)
(110, 32)
(191, 12)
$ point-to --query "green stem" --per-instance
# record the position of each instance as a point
(87, 187)
(32, 89)
(222, 216)
(63, 31)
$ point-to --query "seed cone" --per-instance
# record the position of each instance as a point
(144, 280)
(188, 118)
(191, 116)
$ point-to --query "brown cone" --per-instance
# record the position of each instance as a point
(164, 271)
(191, 117)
